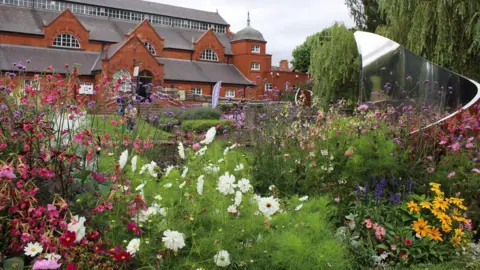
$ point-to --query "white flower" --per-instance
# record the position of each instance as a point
(272, 187)
(168, 170)
(134, 163)
(32, 249)
(212, 169)
(331, 157)
(185, 171)
(304, 198)
(222, 258)
(181, 150)
(232, 209)
(268, 206)
(238, 198)
(225, 152)
(144, 167)
(110, 154)
(200, 183)
(140, 187)
(226, 184)
(239, 167)
(324, 152)
(221, 160)
(173, 240)
(182, 184)
(151, 169)
(168, 185)
(123, 159)
(209, 136)
(158, 197)
(134, 246)
(53, 256)
(77, 226)
(244, 185)
(123, 188)
(202, 151)
(162, 211)
(299, 207)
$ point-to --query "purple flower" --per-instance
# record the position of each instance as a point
(395, 198)
(431, 170)
(362, 107)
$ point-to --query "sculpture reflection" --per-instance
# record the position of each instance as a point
(393, 76)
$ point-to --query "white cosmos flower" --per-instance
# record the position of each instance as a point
(324, 152)
(110, 154)
(181, 150)
(221, 160)
(53, 256)
(212, 169)
(202, 151)
(168, 185)
(182, 184)
(134, 246)
(304, 198)
(222, 258)
(32, 249)
(200, 183)
(151, 169)
(226, 184)
(225, 152)
(299, 207)
(123, 159)
(168, 170)
(140, 187)
(209, 136)
(268, 206)
(232, 209)
(173, 240)
(77, 226)
(238, 198)
(239, 167)
(185, 171)
(244, 185)
(134, 163)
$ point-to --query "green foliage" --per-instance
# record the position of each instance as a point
(204, 125)
(335, 64)
(200, 113)
(301, 54)
(15, 263)
(103, 125)
(365, 13)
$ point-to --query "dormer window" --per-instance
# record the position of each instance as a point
(209, 55)
(255, 49)
(150, 48)
(66, 41)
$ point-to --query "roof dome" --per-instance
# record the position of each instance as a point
(248, 33)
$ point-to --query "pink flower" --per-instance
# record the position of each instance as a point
(196, 146)
(476, 170)
(431, 170)
(393, 247)
(368, 223)
(362, 107)
(7, 172)
(78, 137)
(113, 122)
(452, 174)
(430, 158)
(469, 145)
(46, 264)
(456, 146)
(25, 237)
(349, 153)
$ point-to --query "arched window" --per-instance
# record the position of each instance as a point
(150, 48)
(209, 55)
(124, 76)
(66, 41)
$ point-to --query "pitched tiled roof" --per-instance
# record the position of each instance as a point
(41, 58)
(159, 9)
(31, 21)
(277, 68)
(199, 71)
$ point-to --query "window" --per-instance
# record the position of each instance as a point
(124, 76)
(209, 55)
(66, 41)
(197, 91)
(229, 93)
(268, 86)
(255, 66)
(86, 88)
(255, 49)
(150, 48)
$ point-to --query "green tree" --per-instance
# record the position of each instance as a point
(301, 54)
(366, 14)
(335, 64)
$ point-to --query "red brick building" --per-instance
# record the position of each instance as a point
(176, 48)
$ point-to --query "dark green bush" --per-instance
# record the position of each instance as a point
(204, 125)
(200, 113)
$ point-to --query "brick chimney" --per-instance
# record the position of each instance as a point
(284, 64)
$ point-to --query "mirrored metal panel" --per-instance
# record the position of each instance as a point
(393, 76)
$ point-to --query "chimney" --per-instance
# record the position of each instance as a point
(284, 64)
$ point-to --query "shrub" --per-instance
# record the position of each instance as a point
(203, 125)
(200, 113)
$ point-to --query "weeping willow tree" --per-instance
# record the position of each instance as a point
(446, 32)
(334, 64)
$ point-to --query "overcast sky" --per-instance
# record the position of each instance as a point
(283, 23)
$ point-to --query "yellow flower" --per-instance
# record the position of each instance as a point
(413, 207)
(460, 219)
(455, 241)
(459, 232)
(435, 234)
(441, 203)
(446, 228)
(445, 219)
(437, 212)
(436, 188)
(426, 205)
(458, 202)
(421, 227)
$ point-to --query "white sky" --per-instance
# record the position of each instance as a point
(283, 23)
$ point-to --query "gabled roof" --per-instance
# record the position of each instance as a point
(40, 58)
(199, 71)
(67, 12)
(159, 9)
(277, 68)
(31, 21)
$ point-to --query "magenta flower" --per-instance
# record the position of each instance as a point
(452, 174)
(456, 146)
(431, 170)
(362, 107)
(46, 264)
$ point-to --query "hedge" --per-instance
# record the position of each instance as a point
(203, 125)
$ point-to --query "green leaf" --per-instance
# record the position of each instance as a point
(405, 218)
(15, 263)
(382, 246)
(105, 188)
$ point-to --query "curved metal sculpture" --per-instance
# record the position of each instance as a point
(394, 76)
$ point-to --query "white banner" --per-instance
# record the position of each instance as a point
(216, 94)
